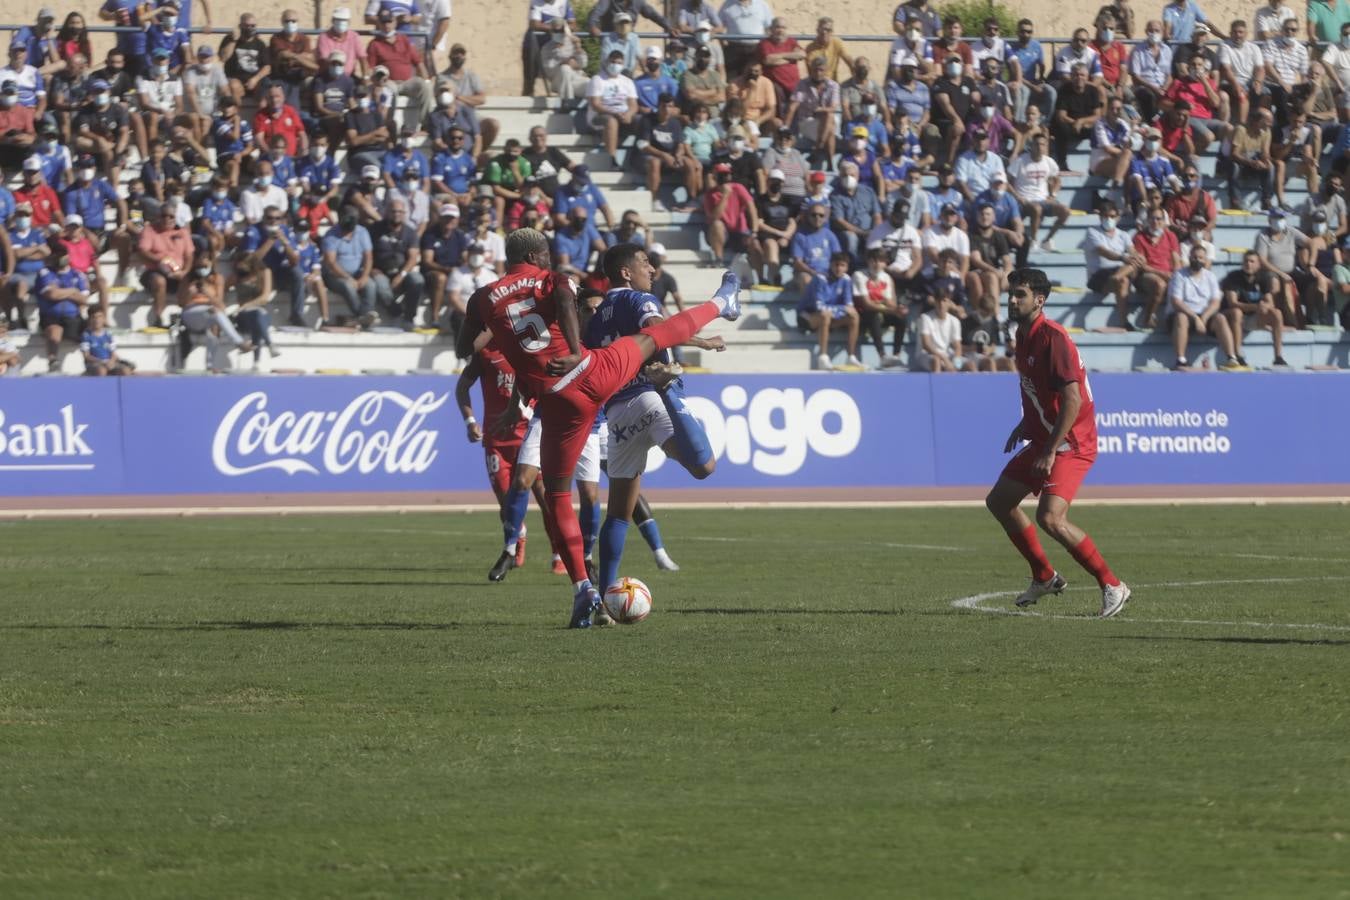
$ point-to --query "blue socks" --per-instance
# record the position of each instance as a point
(651, 534)
(515, 505)
(691, 441)
(612, 535)
(590, 527)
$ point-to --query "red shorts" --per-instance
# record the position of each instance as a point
(501, 461)
(1066, 476)
(569, 413)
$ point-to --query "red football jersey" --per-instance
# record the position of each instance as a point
(498, 381)
(1046, 361)
(518, 308)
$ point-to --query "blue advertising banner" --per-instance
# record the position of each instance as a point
(342, 434)
(60, 436)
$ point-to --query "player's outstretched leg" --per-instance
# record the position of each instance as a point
(651, 533)
(513, 520)
(1004, 502)
(680, 327)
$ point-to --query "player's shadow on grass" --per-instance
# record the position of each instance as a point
(275, 625)
(1305, 642)
(764, 611)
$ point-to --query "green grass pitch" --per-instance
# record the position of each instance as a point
(341, 706)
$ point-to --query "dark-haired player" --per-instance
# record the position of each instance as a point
(646, 412)
(1061, 434)
(532, 314)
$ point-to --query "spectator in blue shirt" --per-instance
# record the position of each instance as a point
(1180, 19)
(165, 34)
(218, 216)
(574, 243)
(318, 169)
(453, 171)
(232, 135)
(921, 14)
(905, 91)
(53, 155)
(581, 191)
(812, 246)
(854, 210)
(348, 256)
(272, 243)
(283, 167)
(401, 157)
(127, 13)
(1026, 80)
(653, 82)
(90, 196)
(37, 39)
(62, 293)
(828, 299)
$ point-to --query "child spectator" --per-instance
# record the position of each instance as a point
(938, 343)
(878, 306)
(9, 351)
(829, 299)
(99, 348)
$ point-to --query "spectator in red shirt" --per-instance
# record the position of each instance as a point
(17, 128)
(1161, 253)
(1200, 89)
(951, 43)
(1112, 55)
(780, 56)
(79, 244)
(730, 211)
(39, 195)
(1191, 201)
(408, 72)
(277, 118)
(1178, 140)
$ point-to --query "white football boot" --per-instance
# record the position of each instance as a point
(1114, 598)
(1038, 589)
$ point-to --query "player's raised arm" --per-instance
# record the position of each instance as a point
(471, 328)
(467, 378)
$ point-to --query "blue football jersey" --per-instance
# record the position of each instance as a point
(624, 312)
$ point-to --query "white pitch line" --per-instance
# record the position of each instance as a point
(973, 603)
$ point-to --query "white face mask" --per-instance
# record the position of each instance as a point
(1345, 41)
(86, 174)
(475, 260)
(986, 112)
(291, 27)
(278, 155)
(447, 98)
(1277, 225)
(702, 37)
(1108, 223)
(870, 109)
(336, 68)
(737, 145)
(364, 104)
(161, 70)
(859, 143)
(915, 35)
(1154, 145)
(734, 120)
(22, 223)
(219, 195)
(1319, 228)
(318, 153)
(953, 69)
(341, 25)
(849, 182)
(614, 68)
(103, 99)
(1155, 37)
(389, 32)
(1108, 35)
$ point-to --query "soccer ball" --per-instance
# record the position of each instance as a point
(628, 601)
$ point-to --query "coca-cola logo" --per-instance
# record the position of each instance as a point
(378, 431)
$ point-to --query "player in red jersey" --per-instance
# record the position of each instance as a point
(499, 450)
(1061, 433)
(532, 314)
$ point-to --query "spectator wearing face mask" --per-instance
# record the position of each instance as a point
(277, 118)
(273, 246)
(1027, 82)
(827, 302)
(622, 40)
(581, 191)
(293, 58)
(854, 210)
(444, 247)
(1148, 170)
(865, 160)
(166, 251)
(30, 251)
(62, 295)
(1193, 307)
(612, 104)
(347, 266)
(777, 213)
(261, 193)
(507, 173)
(730, 212)
(703, 83)
(952, 96)
(746, 168)
(781, 57)
(89, 197)
(409, 74)
(1007, 211)
(332, 92)
(783, 156)
(1077, 111)
(367, 135)
(653, 83)
(339, 38)
(1248, 158)
(453, 170)
(165, 35)
(811, 114)
(233, 139)
(247, 60)
(415, 199)
(1112, 56)
(400, 159)
(318, 171)
(901, 246)
(1112, 263)
(976, 168)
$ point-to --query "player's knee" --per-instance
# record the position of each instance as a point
(1051, 520)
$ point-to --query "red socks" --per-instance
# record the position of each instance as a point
(1088, 557)
(681, 327)
(568, 530)
(1028, 543)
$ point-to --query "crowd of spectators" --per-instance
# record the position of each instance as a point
(893, 194)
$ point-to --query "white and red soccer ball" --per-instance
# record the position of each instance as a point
(627, 601)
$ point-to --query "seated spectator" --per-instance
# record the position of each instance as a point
(811, 114)
(1112, 262)
(1034, 181)
(904, 91)
(829, 47)
(1276, 245)
(79, 244)
(777, 226)
(1249, 295)
(952, 96)
(981, 336)
(339, 38)
(1298, 153)
(246, 57)
(409, 74)
(467, 90)
(251, 317)
(1077, 111)
(1150, 70)
(704, 84)
(878, 307)
(1160, 252)
(1193, 306)
(991, 258)
(453, 171)
(534, 201)
(576, 242)
(854, 209)
(1313, 282)
(1286, 65)
(1150, 171)
(664, 150)
(166, 251)
(990, 89)
(852, 92)
(950, 46)
(901, 247)
(612, 99)
(812, 247)
(444, 248)
(1111, 155)
(99, 348)
(366, 196)
(945, 235)
(399, 284)
(277, 118)
(938, 342)
(864, 159)
(729, 210)
(233, 138)
(746, 169)
(946, 192)
(564, 62)
(701, 134)
(1196, 85)
(780, 56)
(1248, 156)
(10, 360)
(333, 92)
(1193, 234)
(1191, 200)
(30, 250)
(1178, 138)
(204, 83)
(293, 58)
(623, 40)
(546, 162)
(1242, 69)
(262, 193)
(1330, 201)
(1028, 83)
(631, 230)
(976, 168)
(160, 94)
(920, 202)
(318, 171)
(347, 265)
(581, 191)
(62, 294)
(652, 83)
(828, 298)
(1111, 56)
(201, 295)
(274, 248)
(100, 127)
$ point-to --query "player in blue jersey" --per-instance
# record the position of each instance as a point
(647, 412)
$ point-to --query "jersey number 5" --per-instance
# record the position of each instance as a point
(531, 327)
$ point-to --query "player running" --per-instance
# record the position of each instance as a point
(1058, 424)
(647, 412)
(502, 448)
(532, 314)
